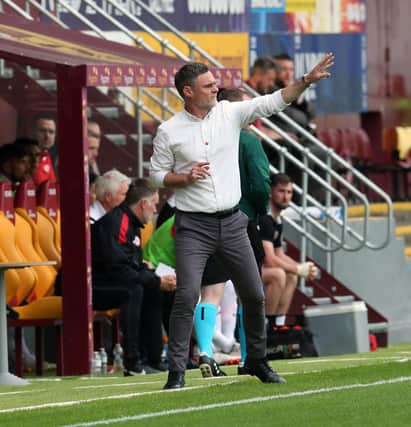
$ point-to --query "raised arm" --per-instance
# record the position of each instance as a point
(294, 90)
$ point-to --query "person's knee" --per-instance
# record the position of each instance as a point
(291, 280)
(276, 278)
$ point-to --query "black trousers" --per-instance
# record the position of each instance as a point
(140, 318)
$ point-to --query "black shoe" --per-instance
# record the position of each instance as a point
(175, 380)
(135, 370)
(242, 370)
(160, 366)
(262, 370)
(209, 367)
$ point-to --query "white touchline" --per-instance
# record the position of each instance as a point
(239, 402)
(345, 359)
(114, 397)
(20, 392)
(128, 384)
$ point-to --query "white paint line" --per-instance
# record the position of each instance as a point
(127, 384)
(6, 393)
(114, 397)
(346, 359)
(240, 402)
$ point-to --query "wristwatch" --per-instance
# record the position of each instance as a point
(304, 80)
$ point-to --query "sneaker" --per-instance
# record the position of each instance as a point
(262, 370)
(242, 369)
(133, 371)
(209, 367)
(148, 369)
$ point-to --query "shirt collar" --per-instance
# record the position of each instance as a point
(195, 118)
(124, 207)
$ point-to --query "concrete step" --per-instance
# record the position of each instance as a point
(109, 112)
(48, 84)
(117, 138)
(322, 300)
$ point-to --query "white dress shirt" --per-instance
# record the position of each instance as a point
(96, 211)
(185, 140)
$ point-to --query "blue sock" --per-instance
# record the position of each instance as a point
(204, 323)
(241, 333)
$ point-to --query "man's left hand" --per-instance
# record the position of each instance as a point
(320, 70)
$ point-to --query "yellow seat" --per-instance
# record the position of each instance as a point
(43, 308)
(24, 241)
(20, 282)
(146, 232)
(46, 231)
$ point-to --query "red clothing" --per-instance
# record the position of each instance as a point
(45, 169)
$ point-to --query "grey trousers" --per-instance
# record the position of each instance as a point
(197, 237)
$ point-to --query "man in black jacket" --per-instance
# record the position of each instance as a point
(122, 280)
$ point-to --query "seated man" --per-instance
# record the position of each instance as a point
(279, 272)
(111, 189)
(122, 280)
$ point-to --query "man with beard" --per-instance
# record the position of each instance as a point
(280, 272)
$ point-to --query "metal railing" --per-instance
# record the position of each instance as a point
(332, 241)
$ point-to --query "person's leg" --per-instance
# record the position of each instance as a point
(130, 317)
(237, 254)
(274, 280)
(228, 308)
(235, 249)
(205, 316)
(287, 295)
(195, 242)
(151, 327)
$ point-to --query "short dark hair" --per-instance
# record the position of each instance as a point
(280, 178)
(139, 189)
(23, 141)
(264, 63)
(231, 95)
(282, 57)
(10, 152)
(187, 74)
(43, 115)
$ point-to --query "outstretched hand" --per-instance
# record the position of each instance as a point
(320, 70)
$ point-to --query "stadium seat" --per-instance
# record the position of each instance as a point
(48, 206)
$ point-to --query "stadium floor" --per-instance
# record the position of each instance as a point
(350, 390)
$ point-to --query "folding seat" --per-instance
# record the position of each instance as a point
(27, 239)
(19, 282)
(48, 207)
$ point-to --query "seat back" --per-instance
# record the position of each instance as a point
(24, 242)
(48, 205)
(20, 282)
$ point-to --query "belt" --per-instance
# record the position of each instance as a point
(219, 214)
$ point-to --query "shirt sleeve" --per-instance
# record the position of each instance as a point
(162, 160)
(266, 228)
(261, 106)
(258, 175)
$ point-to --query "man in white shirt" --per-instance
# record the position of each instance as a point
(196, 152)
(111, 191)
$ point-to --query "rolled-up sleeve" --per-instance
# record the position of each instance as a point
(162, 160)
(261, 106)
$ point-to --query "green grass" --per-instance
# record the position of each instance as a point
(306, 400)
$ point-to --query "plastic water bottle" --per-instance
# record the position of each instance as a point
(96, 364)
(103, 357)
(118, 358)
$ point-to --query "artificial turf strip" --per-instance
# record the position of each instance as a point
(378, 405)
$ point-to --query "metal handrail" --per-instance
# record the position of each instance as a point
(335, 157)
(18, 9)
